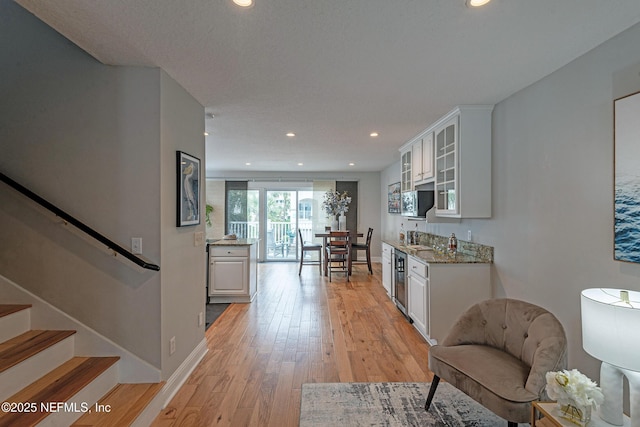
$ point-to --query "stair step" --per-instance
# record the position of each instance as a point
(125, 403)
(6, 309)
(59, 385)
(29, 356)
(15, 319)
(23, 346)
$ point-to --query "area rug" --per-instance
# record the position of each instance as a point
(390, 404)
(213, 311)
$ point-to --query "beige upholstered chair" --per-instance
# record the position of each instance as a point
(498, 353)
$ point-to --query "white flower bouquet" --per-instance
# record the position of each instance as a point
(575, 393)
(335, 203)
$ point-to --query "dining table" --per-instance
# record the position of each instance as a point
(325, 235)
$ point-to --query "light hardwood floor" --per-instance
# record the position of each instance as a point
(299, 329)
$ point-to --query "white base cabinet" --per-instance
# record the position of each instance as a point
(418, 307)
(233, 273)
(387, 269)
(439, 293)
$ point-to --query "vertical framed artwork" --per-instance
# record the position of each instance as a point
(626, 113)
(188, 203)
(394, 198)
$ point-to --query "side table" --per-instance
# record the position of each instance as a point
(547, 414)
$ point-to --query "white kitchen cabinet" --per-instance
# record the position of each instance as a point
(232, 273)
(422, 155)
(440, 292)
(463, 162)
(406, 184)
(417, 161)
(387, 269)
(418, 304)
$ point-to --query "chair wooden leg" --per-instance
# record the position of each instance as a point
(432, 391)
(369, 261)
(320, 262)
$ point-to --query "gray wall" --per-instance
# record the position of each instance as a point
(99, 142)
(184, 263)
(552, 224)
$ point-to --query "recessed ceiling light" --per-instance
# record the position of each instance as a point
(374, 134)
(300, 164)
(352, 164)
(247, 164)
(244, 3)
(206, 134)
(291, 134)
(477, 3)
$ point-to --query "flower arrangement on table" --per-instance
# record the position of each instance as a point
(335, 203)
(575, 393)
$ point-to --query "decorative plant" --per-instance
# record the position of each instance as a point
(573, 390)
(208, 211)
(335, 203)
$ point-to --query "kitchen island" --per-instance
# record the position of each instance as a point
(232, 274)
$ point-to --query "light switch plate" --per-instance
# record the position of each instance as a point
(198, 238)
(136, 245)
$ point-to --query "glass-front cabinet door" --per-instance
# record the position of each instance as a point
(446, 167)
(405, 159)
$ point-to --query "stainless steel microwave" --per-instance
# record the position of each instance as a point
(417, 203)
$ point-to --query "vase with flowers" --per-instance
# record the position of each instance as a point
(334, 204)
(575, 393)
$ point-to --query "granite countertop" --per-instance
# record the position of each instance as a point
(235, 242)
(432, 257)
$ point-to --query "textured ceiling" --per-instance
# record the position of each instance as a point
(334, 71)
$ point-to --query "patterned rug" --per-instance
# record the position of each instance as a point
(390, 404)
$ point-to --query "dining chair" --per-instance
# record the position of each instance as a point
(339, 253)
(366, 246)
(309, 248)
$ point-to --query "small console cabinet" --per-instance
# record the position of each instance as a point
(233, 273)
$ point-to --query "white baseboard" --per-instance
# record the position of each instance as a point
(181, 374)
(172, 386)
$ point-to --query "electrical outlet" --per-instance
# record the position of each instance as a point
(200, 319)
(136, 245)
(469, 235)
(172, 345)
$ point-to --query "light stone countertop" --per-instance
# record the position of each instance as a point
(435, 258)
(235, 242)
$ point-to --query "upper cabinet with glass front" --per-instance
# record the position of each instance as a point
(417, 161)
(463, 162)
(406, 184)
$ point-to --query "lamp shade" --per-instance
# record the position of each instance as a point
(611, 326)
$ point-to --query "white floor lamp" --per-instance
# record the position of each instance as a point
(611, 333)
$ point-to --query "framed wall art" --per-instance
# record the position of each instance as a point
(626, 111)
(394, 198)
(188, 203)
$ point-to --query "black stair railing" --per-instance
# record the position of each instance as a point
(78, 224)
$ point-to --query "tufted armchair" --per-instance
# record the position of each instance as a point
(498, 353)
